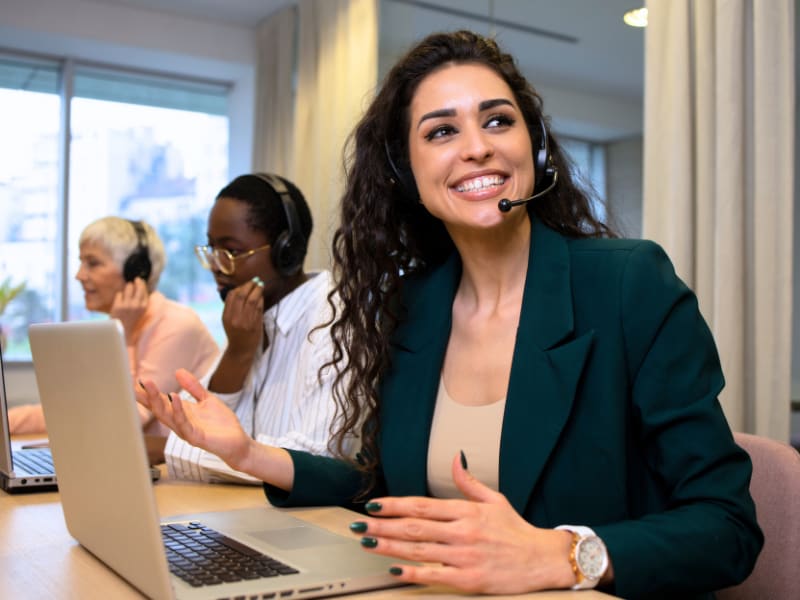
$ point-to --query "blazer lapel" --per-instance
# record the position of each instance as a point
(409, 401)
(545, 370)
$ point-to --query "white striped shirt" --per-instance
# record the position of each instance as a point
(283, 402)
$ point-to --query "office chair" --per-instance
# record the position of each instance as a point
(775, 488)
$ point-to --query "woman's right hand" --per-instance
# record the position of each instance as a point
(243, 317)
(129, 306)
(209, 424)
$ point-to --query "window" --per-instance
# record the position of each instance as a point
(141, 146)
(590, 163)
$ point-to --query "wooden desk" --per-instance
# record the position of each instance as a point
(39, 559)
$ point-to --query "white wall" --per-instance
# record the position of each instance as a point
(140, 39)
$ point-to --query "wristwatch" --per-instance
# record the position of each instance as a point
(588, 556)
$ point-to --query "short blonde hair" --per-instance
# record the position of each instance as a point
(119, 238)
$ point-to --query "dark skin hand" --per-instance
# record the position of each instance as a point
(242, 319)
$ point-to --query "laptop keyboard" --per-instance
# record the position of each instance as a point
(38, 461)
(202, 556)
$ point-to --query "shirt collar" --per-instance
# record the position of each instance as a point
(289, 309)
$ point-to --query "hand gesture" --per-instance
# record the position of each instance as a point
(209, 424)
(479, 545)
(243, 317)
(129, 306)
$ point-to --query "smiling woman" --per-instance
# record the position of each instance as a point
(536, 400)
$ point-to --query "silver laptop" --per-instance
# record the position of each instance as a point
(109, 507)
(22, 469)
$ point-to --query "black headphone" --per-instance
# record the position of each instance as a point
(138, 263)
(289, 249)
(543, 167)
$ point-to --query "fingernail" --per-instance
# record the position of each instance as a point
(358, 527)
(369, 542)
(373, 506)
(170, 397)
(395, 571)
(141, 384)
(257, 281)
(463, 460)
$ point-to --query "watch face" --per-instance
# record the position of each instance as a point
(591, 556)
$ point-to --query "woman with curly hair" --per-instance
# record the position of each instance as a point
(536, 399)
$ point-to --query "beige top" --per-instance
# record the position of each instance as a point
(473, 429)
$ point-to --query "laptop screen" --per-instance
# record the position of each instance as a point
(5, 441)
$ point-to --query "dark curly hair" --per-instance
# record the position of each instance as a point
(385, 235)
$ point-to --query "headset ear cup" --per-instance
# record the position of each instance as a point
(287, 254)
(138, 263)
(543, 167)
(289, 249)
(401, 172)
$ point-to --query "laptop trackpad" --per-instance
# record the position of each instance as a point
(296, 538)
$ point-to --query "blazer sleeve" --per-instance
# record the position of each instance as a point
(323, 481)
(706, 531)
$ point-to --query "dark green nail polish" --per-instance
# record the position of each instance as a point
(141, 384)
(369, 542)
(463, 460)
(395, 571)
(373, 506)
(358, 527)
(170, 397)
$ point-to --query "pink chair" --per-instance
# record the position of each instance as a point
(775, 488)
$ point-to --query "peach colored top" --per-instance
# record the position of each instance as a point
(167, 337)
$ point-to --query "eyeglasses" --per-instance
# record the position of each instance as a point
(218, 258)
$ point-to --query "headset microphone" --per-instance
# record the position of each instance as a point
(506, 205)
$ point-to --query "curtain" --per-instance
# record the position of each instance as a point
(275, 64)
(337, 73)
(718, 184)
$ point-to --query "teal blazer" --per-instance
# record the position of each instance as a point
(611, 421)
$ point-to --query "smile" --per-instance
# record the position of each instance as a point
(481, 183)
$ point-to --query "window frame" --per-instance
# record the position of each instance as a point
(67, 66)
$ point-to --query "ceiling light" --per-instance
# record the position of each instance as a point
(636, 17)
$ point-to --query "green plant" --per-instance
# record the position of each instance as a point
(8, 292)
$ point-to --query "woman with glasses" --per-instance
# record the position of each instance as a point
(121, 262)
(269, 371)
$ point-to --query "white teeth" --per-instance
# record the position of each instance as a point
(481, 183)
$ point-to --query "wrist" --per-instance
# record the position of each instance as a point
(588, 557)
(242, 459)
(563, 572)
(240, 354)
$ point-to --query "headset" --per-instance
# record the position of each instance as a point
(543, 166)
(138, 263)
(289, 249)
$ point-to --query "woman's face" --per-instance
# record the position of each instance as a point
(99, 276)
(469, 146)
(228, 229)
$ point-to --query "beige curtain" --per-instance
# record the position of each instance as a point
(337, 73)
(275, 64)
(718, 184)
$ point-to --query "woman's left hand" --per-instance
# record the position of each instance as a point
(480, 544)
